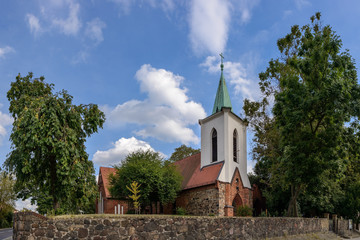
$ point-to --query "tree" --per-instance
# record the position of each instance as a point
(182, 152)
(349, 205)
(159, 180)
(134, 189)
(7, 199)
(48, 138)
(315, 92)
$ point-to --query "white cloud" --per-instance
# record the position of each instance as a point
(72, 24)
(6, 50)
(94, 30)
(121, 148)
(34, 24)
(81, 57)
(209, 23)
(165, 114)
(165, 5)
(250, 166)
(287, 13)
(5, 121)
(20, 205)
(244, 7)
(236, 74)
(302, 3)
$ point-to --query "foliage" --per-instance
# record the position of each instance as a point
(180, 211)
(314, 91)
(48, 138)
(182, 152)
(134, 189)
(7, 199)
(244, 211)
(349, 205)
(160, 181)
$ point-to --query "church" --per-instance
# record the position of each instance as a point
(215, 181)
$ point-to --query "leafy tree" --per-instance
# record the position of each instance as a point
(7, 199)
(182, 152)
(349, 205)
(160, 181)
(315, 92)
(48, 138)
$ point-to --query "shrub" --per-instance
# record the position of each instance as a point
(180, 211)
(244, 211)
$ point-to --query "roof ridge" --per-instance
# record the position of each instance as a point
(188, 157)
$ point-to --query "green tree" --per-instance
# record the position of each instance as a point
(182, 152)
(349, 205)
(315, 92)
(7, 199)
(160, 181)
(48, 138)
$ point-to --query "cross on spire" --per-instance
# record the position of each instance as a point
(222, 64)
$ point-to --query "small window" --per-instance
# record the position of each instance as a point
(235, 146)
(214, 145)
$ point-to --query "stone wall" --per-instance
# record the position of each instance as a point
(28, 225)
(202, 201)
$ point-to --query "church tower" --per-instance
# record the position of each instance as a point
(223, 137)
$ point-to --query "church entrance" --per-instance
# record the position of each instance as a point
(237, 202)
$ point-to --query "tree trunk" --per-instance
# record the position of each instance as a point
(293, 209)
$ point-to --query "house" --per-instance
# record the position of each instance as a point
(215, 181)
(105, 204)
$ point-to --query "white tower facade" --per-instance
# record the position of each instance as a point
(223, 138)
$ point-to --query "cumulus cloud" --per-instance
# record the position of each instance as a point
(94, 30)
(236, 74)
(6, 50)
(167, 112)
(20, 205)
(5, 121)
(121, 148)
(209, 24)
(34, 24)
(72, 24)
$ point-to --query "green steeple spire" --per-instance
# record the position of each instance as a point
(222, 98)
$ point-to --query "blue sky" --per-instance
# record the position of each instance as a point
(152, 65)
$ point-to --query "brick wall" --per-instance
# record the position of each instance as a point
(28, 225)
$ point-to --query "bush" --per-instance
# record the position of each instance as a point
(244, 211)
(180, 211)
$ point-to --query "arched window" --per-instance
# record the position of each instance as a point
(235, 146)
(214, 145)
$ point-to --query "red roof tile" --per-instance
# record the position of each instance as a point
(193, 176)
(105, 174)
(189, 168)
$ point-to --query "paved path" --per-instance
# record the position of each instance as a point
(6, 233)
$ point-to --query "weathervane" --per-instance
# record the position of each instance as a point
(222, 64)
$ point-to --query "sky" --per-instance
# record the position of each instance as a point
(152, 65)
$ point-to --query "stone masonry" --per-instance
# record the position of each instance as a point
(202, 201)
(28, 225)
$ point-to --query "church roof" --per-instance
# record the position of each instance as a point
(105, 173)
(189, 168)
(222, 98)
(193, 176)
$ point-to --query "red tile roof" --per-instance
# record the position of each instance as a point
(193, 176)
(105, 174)
(189, 168)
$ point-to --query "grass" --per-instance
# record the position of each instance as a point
(126, 216)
